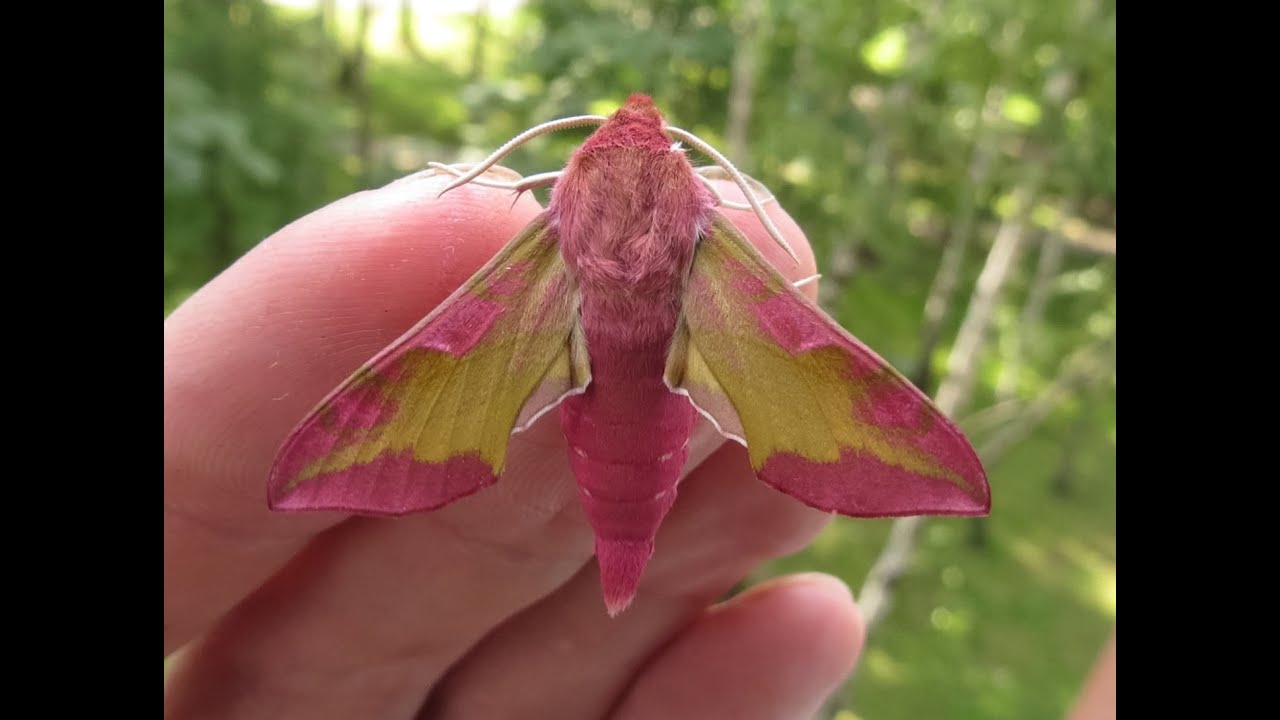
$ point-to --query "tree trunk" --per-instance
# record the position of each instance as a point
(1062, 484)
(408, 32)
(955, 390)
(1076, 370)
(479, 40)
(359, 89)
(326, 9)
(947, 279)
(748, 27)
(1047, 266)
(222, 226)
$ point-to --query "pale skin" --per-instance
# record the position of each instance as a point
(1097, 699)
(491, 606)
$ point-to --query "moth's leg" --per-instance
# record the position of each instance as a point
(519, 186)
(460, 169)
(805, 281)
(729, 203)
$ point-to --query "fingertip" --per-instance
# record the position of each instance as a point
(819, 606)
(778, 650)
(816, 621)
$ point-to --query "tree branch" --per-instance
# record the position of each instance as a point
(1075, 371)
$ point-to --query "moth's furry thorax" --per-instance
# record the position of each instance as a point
(628, 211)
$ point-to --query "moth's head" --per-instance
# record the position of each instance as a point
(637, 124)
(640, 108)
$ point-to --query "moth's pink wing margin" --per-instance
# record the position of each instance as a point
(824, 418)
(427, 420)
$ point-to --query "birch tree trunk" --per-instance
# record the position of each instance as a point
(947, 279)
(955, 390)
(1047, 266)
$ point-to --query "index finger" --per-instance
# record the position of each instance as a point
(258, 346)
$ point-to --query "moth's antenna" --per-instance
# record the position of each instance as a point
(522, 138)
(715, 172)
(722, 161)
(706, 182)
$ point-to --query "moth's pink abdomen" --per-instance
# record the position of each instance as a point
(625, 528)
(628, 439)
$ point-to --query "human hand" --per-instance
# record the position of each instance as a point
(491, 606)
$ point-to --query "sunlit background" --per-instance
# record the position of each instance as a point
(953, 164)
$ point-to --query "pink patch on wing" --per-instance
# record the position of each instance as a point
(791, 325)
(457, 332)
(889, 404)
(393, 483)
(745, 281)
(510, 281)
(347, 419)
(862, 485)
(361, 407)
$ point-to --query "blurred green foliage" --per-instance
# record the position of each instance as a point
(891, 130)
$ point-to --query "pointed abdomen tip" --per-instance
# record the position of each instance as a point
(622, 562)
